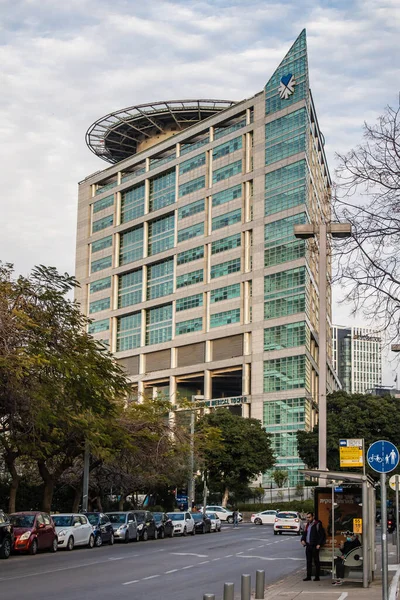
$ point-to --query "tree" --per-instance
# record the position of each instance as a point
(368, 196)
(351, 416)
(280, 477)
(236, 450)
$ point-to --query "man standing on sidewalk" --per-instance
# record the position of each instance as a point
(313, 538)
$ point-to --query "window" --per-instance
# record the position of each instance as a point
(192, 163)
(135, 172)
(225, 268)
(286, 187)
(228, 243)
(189, 278)
(225, 293)
(98, 305)
(227, 148)
(102, 223)
(160, 279)
(162, 190)
(228, 171)
(101, 244)
(163, 159)
(105, 186)
(128, 332)
(229, 127)
(100, 284)
(225, 318)
(285, 136)
(131, 246)
(159, 324)
(230, 218)
(130, 288)
(194, 144)
(103, 203)
(190, 255)
(227, 195)
(280, 242)
(287, 373)
(285, 293)
(190, 232)
(100, 264)
(132, 203)
(286, 336)
(98, 326)
(192, 186)
(191, 209)
(161, 234)
(189, 326)
(189, 302)
(286, 414)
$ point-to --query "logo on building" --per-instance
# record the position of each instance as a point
(286, 87)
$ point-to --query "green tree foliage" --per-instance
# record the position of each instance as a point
(352, 416)
(235, 450)
(280, 477)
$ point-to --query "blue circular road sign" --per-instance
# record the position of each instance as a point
(383, 456)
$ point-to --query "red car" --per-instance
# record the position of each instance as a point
(33, 531)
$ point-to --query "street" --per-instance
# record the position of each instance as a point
(172, 569)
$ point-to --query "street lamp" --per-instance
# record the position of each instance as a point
(191, 482)
(337, 230)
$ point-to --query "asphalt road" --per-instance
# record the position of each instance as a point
(169, 569)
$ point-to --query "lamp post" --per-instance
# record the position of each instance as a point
(191, 481)
(337, 230)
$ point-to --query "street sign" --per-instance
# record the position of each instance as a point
(351, 453)
(338, 489)
(392, 481)
(383, 456)
(357, 525)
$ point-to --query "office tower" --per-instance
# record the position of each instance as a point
(186, 254)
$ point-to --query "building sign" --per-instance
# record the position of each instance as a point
(233, 401)
(351, 453)
(357, 525)
(286, 86)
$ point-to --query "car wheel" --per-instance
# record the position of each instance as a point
(275, 533)
(162, 533)
(54, 545)
(156, 534)
(230, 520)
(194, 530)
(126, 538)
(70, 543)
(145, 536)
(33, 547)
(184, 533)
(5, 550)
(98, 541)
(257, 522)
(91, 541)
(111, 540)
(219, 530)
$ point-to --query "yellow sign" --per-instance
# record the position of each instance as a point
(357, 525)
(351, 456)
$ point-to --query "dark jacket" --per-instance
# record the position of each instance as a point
(317, 536)
(349, 546)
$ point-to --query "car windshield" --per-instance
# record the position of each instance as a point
(158, 516)
(22, 520)
(197, 516)
(140, 517)
(286, 515)
(62, 520)
(116, 517)
(212, 516)
(176, 516)
(93, 518)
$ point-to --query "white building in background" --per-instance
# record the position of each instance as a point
(357, 357)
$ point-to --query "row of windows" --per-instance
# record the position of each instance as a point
(227, 148)
(228, 171)
(190, 255)
(286, 373)
(191, 209)
(280, 242)
(225, 268)
(103, 203)
(286, 187)
(227, 195)
(192, 163)
(190, 232)
(286, 336)
(286, 412)
(132, 203)
(102, 244)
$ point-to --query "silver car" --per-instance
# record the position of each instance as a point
(124, 525)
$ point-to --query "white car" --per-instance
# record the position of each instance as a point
(183, 523)
(266, 517)
(73, 530)
(215, 521)
(288, 522)
(223, 513)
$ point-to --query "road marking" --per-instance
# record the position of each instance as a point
(262, 546)
(189, 554)
(171, 571)
(214, 559)
(227, 556)
(150, 577)
(187, 567)
(118, 558)
(203, 562)
(129, 582)
(239, 553)
(268, 557)
(250, 549)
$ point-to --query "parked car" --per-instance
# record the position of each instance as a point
(223, 513)
(102, 528)
(125, 526)
(146, 524)
(6, 535)
(202, 522)
(288, 522)
(73, 530)
(215, 521)
(164, 525)
(33, 531)
(266, 517)
(183, 523)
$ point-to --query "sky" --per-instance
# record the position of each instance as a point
(65, 64)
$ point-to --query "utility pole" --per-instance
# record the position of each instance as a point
(191, 480)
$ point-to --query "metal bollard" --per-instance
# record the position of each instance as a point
(229, 593)
(260, 585)
(246, 587)
(209, 597)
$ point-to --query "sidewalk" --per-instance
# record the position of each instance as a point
(294, 588)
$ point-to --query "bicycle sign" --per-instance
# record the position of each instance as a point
(383, 456)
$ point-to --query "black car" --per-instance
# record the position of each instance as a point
(202, 523)
(164, 525)
(6, 536)
(102, 528)
(146, 524)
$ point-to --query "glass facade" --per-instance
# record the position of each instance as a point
(192, 163)
(162, 190)
(189, 302)
(190, 255)
(132, 203)
(227, 195)
(191, 209)
(190, 232)
(230, 127)
(286, 136)
(131, 246)
(225, 293)
(286, 336)
(189, 326)
(103, 203)
(195, 144)
(103, 223)
(229, 171)
(192, 186)
(102, 244)
(280, 243)
(225, 268)
(130, 288)
(228, 243)
(161, 234)
(286, 187)
(99, 326)
(225, 318)
(98, 305)
(287, 373)
(100, 264)
(289, 414)
(128, 332)
(230, 218)
(189, 278)
(159, 324)
(100, 284)
(227, 148)
(160, 279)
